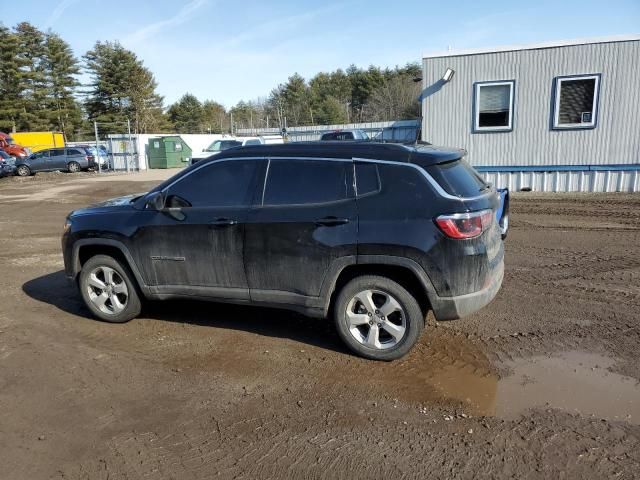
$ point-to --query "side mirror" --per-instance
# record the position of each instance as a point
(155, 201)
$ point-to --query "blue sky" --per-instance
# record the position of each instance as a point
(232, 50)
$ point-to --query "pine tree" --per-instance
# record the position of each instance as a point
(121, 88)
(187, 114)
(61, 68)
(12, 81)
(32, 53)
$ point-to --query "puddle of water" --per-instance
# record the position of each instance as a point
(448, 368)
(576, 382)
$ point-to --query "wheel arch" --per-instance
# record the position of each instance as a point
(404, 271)
(85, 249)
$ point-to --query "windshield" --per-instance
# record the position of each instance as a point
(214, 147)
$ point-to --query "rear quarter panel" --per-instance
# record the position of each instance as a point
(399, 221)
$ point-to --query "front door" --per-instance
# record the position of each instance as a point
(306, 223)
(39, 161)
(195, 245)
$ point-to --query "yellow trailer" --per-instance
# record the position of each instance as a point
(36, 141)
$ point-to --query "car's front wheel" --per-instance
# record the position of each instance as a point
(378, 318)
(109, 290)
(24, 171)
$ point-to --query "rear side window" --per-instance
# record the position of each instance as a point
(73, 151)
(458, 178)
(367, 179)
(297, 182)
(338, 136)
(220, 184)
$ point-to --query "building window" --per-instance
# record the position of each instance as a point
(493, 105)
(576, 101)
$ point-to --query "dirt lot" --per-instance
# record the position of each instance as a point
(543, 383)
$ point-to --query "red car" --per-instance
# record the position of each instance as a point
(11, 148)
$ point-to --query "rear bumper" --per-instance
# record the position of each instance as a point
(452, 308)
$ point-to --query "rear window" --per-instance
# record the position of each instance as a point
(73, 151)
(458, 178)
(337, 136)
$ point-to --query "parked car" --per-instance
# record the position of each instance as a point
(230, 142)
(70, 159)
(7, 165)
(102, 156)
(373, 234)
(9, 146)
(345, 135)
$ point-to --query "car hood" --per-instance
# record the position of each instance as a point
(111, 205)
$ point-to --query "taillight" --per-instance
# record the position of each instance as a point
(465, 225)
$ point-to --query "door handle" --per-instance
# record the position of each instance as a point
(224, 222)
(331, 221)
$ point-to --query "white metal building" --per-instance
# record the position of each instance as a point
(559, 116)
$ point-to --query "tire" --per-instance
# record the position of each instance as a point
(73, 167)
(23, 171)
(356, 328)
(119, 302)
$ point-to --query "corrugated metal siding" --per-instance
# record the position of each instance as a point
(593, 181)
(447, 113)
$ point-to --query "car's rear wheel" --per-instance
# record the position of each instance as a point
(378, 318)
(109, 290)
(73, 167)
(24, 171)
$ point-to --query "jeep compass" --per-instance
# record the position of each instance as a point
(371, 235)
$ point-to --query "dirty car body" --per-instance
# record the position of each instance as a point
(295, 226)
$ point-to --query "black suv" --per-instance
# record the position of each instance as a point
(373, 234)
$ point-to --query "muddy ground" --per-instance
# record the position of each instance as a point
(543, 383)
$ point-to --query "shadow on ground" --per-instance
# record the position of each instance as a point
(54, 289)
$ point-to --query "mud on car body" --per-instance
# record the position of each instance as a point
(372, 235)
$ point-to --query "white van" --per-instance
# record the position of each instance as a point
(229, 142)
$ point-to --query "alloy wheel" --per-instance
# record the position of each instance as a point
(107, 290)
(376, 319)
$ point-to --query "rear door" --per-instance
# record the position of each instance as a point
(305, 225)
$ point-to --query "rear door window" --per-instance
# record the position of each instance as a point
(73, 151)
(458, 178)
(57, 152)
(299, 182)
(367, 179)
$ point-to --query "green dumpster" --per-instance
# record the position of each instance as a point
(168, 152)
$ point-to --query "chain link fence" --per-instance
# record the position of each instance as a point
(399, 131)
(113, 152)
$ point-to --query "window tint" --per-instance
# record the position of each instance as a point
(338, 136)
(494, 105)
(253, 142)
(221, 184)
(73, 151)
(295, 182)
(367, 178)
(57, 152)
(575, 101)
(458, 178)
